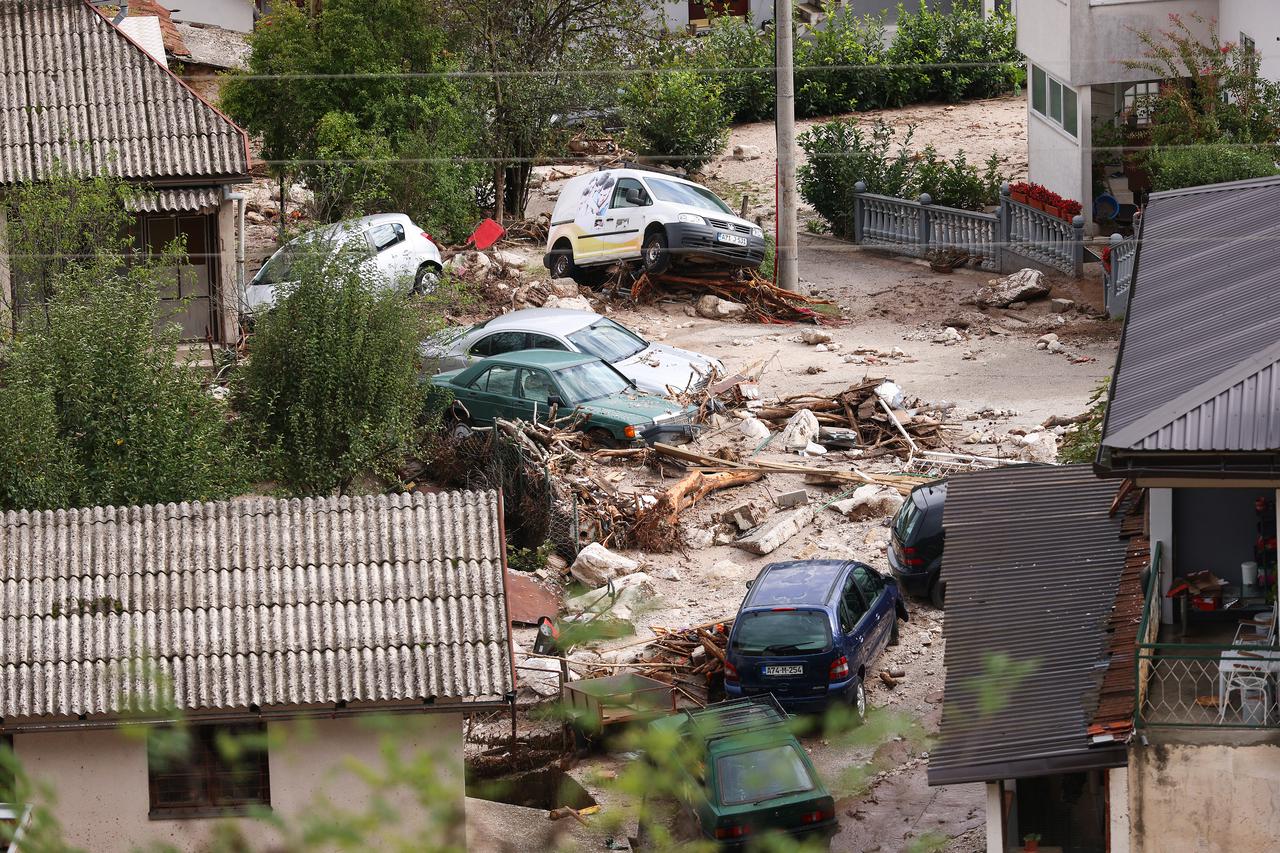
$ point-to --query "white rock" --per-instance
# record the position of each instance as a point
(508, 259)
(1023, 285)
(1055, 346)
(576, 303)
(755, 429)
(715, 308)
(869, 501)
(814, 449)
(697, 538)
(668, 573)
(726, 569)
(1044, 447)
(800, 430)
(1047, 339)
(596, 565)
(891, 393)
(746, 152)
(812, 337)
(948, 335)
(630, 592)
(820, 348)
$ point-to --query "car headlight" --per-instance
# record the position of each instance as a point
(756, 232)
(692, 219)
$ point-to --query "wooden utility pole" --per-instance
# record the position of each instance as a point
(785, 124)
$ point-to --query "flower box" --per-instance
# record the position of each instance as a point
(1019, 197)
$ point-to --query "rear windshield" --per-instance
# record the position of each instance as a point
(781, 632)
(762, 774)
(908, 520)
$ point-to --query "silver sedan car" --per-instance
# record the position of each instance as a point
(653, 367)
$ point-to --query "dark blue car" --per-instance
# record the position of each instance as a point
(808, 631)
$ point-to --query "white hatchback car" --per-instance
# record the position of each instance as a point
(399, 250)
(633, 214)
(653, 367)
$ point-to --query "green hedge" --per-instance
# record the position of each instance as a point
(1197, 165)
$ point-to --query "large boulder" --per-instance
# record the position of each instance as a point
(715, 308)
(577, 303)
(1022, 286)
(801, 431)
(620, 599)
(869, 501)
(597, 565)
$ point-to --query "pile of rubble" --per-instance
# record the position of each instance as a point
(743, 294)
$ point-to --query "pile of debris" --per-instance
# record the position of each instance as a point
(689, 659)
(742, 294)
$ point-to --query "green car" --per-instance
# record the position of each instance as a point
(583, 389)
(754, 778)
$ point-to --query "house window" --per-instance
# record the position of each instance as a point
(1136, 100)
(206, 771)
(1053, 100)
(1250, 49)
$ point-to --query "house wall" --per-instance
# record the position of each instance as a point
(229, 14)
(1214, 529)
(1258, 19)
(228, 288)
(1204, 798)
(1160, 520)
(1055, 159)
(99, 779)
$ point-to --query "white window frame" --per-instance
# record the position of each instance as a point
(1128, 97)
(1047, 100)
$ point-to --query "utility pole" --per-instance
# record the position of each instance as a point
(785, 125)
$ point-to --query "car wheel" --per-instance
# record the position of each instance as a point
(938, 593)
(893, 632)
(599, 438)
(859, 703)
(562, 265)
(426, 279)
(655, 255)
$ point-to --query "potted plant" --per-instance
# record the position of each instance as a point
(1069, 209)
(1031, 841)
(1040, 196)
(1020, 191)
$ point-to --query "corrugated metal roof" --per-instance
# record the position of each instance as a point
(1206, 298)
(252, 602)
(198, 200)
(1033, 562)
(75, 91)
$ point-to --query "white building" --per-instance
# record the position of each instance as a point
(1077, 79)
(235, 15)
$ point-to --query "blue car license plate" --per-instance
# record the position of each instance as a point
(795, 669)
(733, 239)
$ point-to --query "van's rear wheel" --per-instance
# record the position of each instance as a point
(655, 254)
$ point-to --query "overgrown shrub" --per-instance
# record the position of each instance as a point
(1196, 165)
(832, 73)
(949, 56)
(332, 389)
(1081, 440)
(839, 154)
(94, 407)
(957, 182)
(677, 116)
(741, 58)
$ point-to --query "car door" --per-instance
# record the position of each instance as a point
(592, 219)
(627, 216)
(492, 394)
(393, 256)
(534, 391)
(880, 609)
(854, 627)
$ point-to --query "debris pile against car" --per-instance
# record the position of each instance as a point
(691, 660)
(727, 295)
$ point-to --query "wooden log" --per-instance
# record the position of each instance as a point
(693, 488)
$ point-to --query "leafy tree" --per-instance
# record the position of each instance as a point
(332, 388)
(834, 64)
(94, 407)
(676, 115)
(351, 98)
(741, 58)
(1081, 441)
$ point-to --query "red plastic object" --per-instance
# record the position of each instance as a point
(486, 234)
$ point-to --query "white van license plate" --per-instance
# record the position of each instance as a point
(731, 238)
(784, 670)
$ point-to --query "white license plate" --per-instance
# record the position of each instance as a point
(735, 239)
(784, 670)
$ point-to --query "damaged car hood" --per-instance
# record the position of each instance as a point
(661, 369)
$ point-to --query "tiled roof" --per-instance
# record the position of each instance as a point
(196, 200)
(75, 91)
(173, 43)
(1035, 562)
(1196, 365)
(252, 602)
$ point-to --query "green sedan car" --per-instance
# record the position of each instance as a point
(584, 390)
(752, 778)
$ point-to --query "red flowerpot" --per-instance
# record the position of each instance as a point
(1036, 203)
(1052, 211)
(1020, 198)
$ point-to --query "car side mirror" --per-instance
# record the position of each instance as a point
(749, 583)
(555, 400)
(633, 196)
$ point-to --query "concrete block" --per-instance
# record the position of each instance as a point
(769, 536)
(790, 499)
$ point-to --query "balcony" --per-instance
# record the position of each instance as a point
(1218, 682)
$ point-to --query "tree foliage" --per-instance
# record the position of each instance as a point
(94, 407)
(676, 116)
(1081, 441)
(355, 100)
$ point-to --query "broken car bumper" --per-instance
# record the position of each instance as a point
(688, 241)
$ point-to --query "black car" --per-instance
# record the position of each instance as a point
(915, 553)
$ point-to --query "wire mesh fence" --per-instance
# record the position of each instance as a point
(1210, 686)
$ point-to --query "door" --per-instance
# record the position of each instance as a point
(497, 343)
(392, 255)
(627, 212)
(492, 394)
(186, 296)
(593, 221)
(880, 609)
(855, 625)
(535, 389)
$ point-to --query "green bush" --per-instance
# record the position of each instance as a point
(838, 155)
(332, 388)
(741, 58)
(957, 182)
(1197, 165)
(831, 72)
(678, 116)
(949, 56)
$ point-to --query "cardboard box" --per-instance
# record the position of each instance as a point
(1207, 601)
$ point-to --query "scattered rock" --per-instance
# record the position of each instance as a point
(746, 152)
(814, 370)
(800, 430)
(1022, 286)
(820, 348)
(790, 499)
(754, 429)
(1044, 340)
(725, 569)
(596, 565)
(1017, 306)
(813, 337)
(624, 593)
(949, 335)
(668, 573)
(697, 538)
(1039, 447)
(1063, 305)
(576, 303)
(869, 501)
(743, 517)
(565, 288)
(769, 536)
(715, 308)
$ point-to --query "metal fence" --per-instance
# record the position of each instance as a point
(993, 241)
(1118, 280)
(1201, 685)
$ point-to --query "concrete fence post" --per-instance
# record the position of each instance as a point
(859, 188)
(1077, 245)
(1004, 215)
(923, 225)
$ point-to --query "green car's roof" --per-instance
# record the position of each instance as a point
(552, 359)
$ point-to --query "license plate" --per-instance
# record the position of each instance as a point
(784, 670)
(735, 239)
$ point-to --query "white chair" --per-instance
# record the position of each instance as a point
(1246, 683)
(1259, 631)
(1257, 655)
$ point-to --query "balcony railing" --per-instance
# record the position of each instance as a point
(1202, 685)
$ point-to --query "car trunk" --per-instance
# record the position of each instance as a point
(794, 815)
(777, 651)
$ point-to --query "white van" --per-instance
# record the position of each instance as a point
(634, 214)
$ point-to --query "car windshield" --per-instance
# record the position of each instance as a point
(690, 194)
(781, 632)
(276, 269)
(590, 381)
(608, 340)
(762, 774)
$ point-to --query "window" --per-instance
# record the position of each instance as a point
(869, 582)
(536, 385)
(693, 195)
(607, 340)
(762, 774)
(502, 342)
(852, 607)
(6, 767)
(497, 380)
(1250, 49)
(386, 236)
(1136, 100)
(1054, 101)
(203, 771)
(590, 381)
(537, 341)
(620, 194)
(781, 632)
